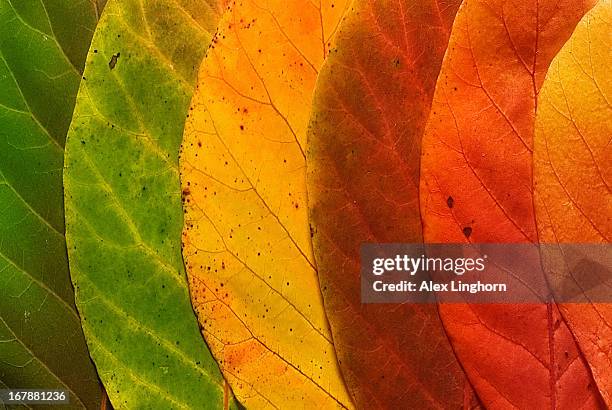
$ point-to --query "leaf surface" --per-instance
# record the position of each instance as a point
(246, 239)
(43, 45)
(370, 108)
(572, 172)
(476, 186)
(123, 209)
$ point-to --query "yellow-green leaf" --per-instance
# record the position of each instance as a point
(123, 209)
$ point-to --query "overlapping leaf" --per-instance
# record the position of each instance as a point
(476, 186)
(572, 165)
(123, 210)
(43, 45)
(247, 243)
(370, 108)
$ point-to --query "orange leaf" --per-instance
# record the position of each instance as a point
(476, 186)
(370, 107)
(572, 174)
(246, 239)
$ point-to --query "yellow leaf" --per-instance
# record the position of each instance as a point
(246, 238)
(572, 174)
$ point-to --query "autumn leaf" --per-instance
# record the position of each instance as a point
(572, 165)
(43, 46)
(246, 239)
(370, 108)
(476, 186)
(123, 210)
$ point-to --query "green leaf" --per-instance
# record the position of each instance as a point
(123, 205)
(43, 45)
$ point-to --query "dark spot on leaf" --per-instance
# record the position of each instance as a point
(113, 61)
(450, 201)
(467, 231)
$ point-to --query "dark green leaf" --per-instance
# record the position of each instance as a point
(43, 45)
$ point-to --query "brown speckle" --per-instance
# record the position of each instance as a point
(113, 61)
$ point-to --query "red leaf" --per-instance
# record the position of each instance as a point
(477, 150)
(370, 108)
